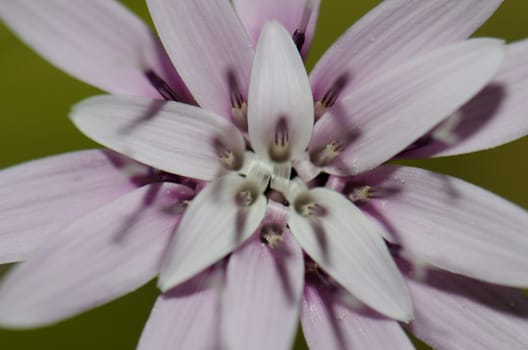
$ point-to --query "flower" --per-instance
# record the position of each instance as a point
(364, 117)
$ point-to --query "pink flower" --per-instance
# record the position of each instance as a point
(269, 151)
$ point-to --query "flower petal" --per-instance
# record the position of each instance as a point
(170, 136)
(348, 247)
(208, 46)
(452, 224)
(213, 226)
(453, 312)
(41, 196)
(495, 116)
(291, 14)
(280, 108)
(101, 256)
(98, 41)
(187, 317)
(327, 324)
(385, 115)
(262, 296)
(393, 33)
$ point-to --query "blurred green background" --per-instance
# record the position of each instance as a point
(34, 101)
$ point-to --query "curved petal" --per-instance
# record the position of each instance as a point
(215, 223)
(495, 116)
(187, 317)
(292, 14)
(103, 255)
(170, 136)
(453, 312)
(42, 196)
(338, 237)
(391, 34)
(452, 224)
(327, 324)
(280, 108)
(385, 115)
(98, 41)
(208, 46)
(260, 307)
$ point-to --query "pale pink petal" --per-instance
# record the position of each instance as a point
(41, 196)
(208, 46)
(495, 116)
(280, 108)
(171, 136)
(327, 325)
(386, 114)
(218, 220)
(292, 14)
(103, 255)
(263, 294)
(456, 313)
(393, 33)
(451, 224)
(338, 237)
(186, 317)
(97, 41)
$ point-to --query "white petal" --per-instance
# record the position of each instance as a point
(453, 312)
(105, 254)
(452, 224)
(291, 14)
(262, 297)
(385, 115)
(212, 227)
(97, 41)
(171, 136)
(207, 44)
(280, 105)
(348, 247)
(42, 196)
(394, 32)
(327, 324)
(186, 317)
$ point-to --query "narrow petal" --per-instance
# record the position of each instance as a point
(453, 312)
(347, 246)
(327, 324)
(103, 255)
(42, 196)
(186, 317)
(263, 294)
(385, 115)
(99, 42)
(293, 15)
(393, 33)
(170, 136)
(215, 224)
(208, 46)
(280, 109)
(452, 224)
(495, 116)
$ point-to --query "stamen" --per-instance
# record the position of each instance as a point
(307, 207)
(238, 105)
(330, 98)
(161, 86)
(247, 195)
(361, 194)
(325, 155)
(227, 157)
(271, 235)
(299, 35)
(280, 148)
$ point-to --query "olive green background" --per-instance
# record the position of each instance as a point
(34, 101)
